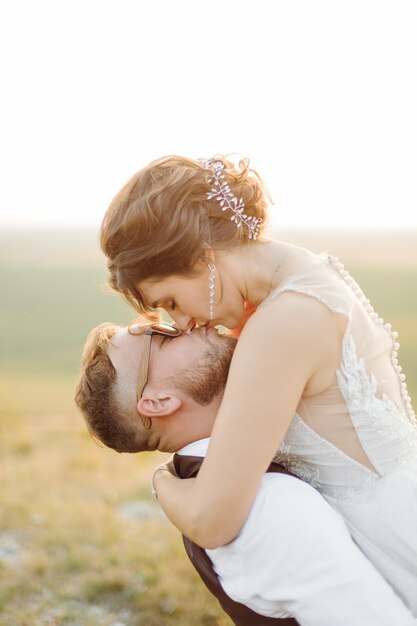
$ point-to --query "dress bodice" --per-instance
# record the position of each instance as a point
(345, 438)
(356, 442)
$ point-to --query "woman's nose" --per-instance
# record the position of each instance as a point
(184, 322)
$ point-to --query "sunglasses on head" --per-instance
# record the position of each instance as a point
(143, 371)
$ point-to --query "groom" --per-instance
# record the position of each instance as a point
(293, 561)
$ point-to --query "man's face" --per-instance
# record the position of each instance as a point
(196, 363)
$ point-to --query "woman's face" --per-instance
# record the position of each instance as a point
(186, 299)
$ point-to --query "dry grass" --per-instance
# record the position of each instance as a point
(68, 555)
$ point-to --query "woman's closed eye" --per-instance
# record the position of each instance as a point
(168, 305)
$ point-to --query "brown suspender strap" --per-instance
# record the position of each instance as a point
(241, 615)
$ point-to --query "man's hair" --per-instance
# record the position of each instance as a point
(98, 398)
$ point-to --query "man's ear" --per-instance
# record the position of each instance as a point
(158, 405)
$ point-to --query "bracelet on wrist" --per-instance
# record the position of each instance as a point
(158, 469)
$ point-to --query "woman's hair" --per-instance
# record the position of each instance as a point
(161, 221)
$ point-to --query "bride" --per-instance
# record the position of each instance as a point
(314, 382)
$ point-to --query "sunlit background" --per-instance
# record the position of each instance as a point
(320, 94)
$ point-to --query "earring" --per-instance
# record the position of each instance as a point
(212, 278)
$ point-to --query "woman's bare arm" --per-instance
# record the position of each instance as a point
(288, 346)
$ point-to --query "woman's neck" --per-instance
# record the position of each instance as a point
(258, 268)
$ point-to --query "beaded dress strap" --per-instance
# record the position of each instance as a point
(337, 265)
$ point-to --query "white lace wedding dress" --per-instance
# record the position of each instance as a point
(357, 442)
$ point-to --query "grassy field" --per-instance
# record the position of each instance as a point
(82, 543)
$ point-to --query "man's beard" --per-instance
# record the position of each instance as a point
(207, 377)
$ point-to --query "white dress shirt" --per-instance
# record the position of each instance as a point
(295, 557)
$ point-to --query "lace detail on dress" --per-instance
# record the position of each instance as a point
(297, 465)
(334, 261)
(317, 461)
(384, 430)
(356, 384)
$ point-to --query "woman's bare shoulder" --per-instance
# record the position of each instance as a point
(291, 310)
(296, 333)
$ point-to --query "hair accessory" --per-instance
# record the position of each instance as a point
(221, 191)
(212, 278)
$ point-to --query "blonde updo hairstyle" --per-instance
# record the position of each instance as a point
(161, 221)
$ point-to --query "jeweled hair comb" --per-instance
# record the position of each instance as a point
(228, 201)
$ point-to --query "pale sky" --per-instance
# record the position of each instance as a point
(320, 94)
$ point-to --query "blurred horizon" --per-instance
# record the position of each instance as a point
(80, 244)
(54, 287)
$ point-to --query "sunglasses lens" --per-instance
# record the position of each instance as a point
(166, 330)
(162, 329)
